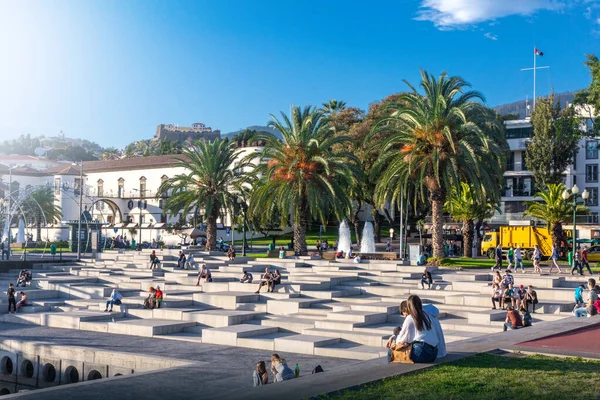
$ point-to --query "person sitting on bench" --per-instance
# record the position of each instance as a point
(266, 277)
(246, 278)
(513, 319)
(204, 274)
(274, 281)
(115, 298)
(23, 301)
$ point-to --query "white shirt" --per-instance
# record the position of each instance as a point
(433, 337)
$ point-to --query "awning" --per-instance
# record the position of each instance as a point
(148, 225)
(132, 225)
(119, 225)
(159, 225)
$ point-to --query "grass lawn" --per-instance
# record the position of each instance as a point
(41, 250)
(283, 240)
(475, 263)
(488, 377)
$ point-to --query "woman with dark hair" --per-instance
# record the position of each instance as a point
(260, 375)
(423, 331)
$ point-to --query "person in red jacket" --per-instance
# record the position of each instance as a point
(159, 297)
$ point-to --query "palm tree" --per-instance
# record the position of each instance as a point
(307, 173)
(554, 210)
(463, 206)
(333, 107)
(441, 138)
(111, 153)
(209, 186)
(39, 207)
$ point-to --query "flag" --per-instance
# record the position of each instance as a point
(538, 52)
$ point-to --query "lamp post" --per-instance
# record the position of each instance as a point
(241, 202)
(565, 195)
(80, 209)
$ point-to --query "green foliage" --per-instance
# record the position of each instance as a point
(591, 95)
(210, 188)
(333, 107)
(59, 148)
(440, 138)
(553, 209)
(488, 377)
(556, 133)
(308, 172)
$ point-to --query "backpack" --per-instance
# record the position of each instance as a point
(317, 369)
(597, 305)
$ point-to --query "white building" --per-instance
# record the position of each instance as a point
(519, 185)
(122, 194)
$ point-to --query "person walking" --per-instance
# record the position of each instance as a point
(11, 293)
(519, 259)
(576, 263)
(584, 260)
(498, 256)
(537, 257)
(554, 261)
(510, 257)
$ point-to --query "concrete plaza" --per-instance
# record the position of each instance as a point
(333, 313)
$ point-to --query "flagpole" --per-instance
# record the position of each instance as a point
(534, 71)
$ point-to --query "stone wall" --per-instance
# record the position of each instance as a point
(180, 134)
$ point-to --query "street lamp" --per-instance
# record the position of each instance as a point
(80, 209)
(241, 202)
(565, 195)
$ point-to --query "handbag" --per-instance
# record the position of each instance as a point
(401, 353)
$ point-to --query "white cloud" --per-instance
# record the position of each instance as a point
(491, 36)
(449, 14)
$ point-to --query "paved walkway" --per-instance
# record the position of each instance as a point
(230, 366)
(580, 341)
(197, 381)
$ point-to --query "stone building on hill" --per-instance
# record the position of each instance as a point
(181, 133)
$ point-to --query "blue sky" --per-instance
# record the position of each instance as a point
(111, 70)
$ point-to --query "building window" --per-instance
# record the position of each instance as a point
(593, 218)
(519, 133)
(591, 150)
(142, 187)
(76, 186)
(57, 186)
(591, 173)
(593, 199)
(510, 162)
(121, 188)
(163, 179)
(100, 189)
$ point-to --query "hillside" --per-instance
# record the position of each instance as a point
(519, 107)
(257, 128)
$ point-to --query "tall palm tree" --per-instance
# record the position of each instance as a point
(208, 188)
(554, 210)
(333, 107)
(464, 206)
(39, 207)
(441, 138)
(307, 173)
(111, 153)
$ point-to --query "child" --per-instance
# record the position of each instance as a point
(392, 338)
(579, 295)
(525, 316)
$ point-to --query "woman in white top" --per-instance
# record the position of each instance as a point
(423, 331)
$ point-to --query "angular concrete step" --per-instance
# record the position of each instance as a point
(287, 324)
(304, 344)
(365, 338)
(351, 351)
(229, 335)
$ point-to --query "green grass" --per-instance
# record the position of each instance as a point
(37, 251)
(474, 263)
(488, 377)
(283, 240)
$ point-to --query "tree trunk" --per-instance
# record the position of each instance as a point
(356, 223)
(468, 233)
(300, 223)
(557, 235)
(376, 224)
(38, 231)
(211, 233)
(478, 235)
(437, 213)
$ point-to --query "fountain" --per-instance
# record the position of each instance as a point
(367, 244)
(344, 239)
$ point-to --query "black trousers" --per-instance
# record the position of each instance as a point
(13, 301)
